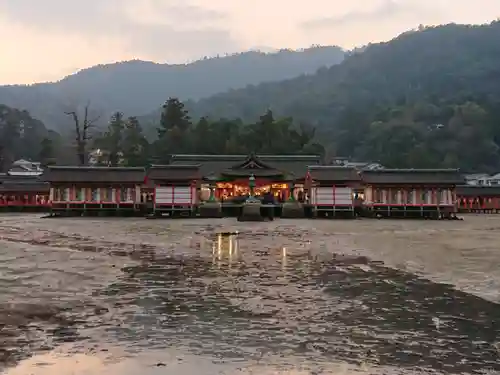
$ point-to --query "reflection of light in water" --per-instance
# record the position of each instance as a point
(219, 245)
(284, 263)
(227, 246)
(230, 252)
(213, 253)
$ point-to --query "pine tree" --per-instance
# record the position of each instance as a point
(114, 138)
(173, 115)
(175, 125)
(135, 145)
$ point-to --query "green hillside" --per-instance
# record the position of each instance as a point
(428, 98)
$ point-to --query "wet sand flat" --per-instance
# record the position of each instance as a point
(291, 295)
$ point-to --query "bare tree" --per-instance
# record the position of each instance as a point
(82, 131)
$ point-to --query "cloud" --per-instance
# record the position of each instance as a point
(171, 44)
(388, 10)
(162, 29)
(377, 21)
(108, 15)
(46, 39)
(177, 11)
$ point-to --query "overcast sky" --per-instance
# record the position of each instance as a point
(48, 39)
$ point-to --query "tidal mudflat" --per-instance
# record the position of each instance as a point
(127, 296)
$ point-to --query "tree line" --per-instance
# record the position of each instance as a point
(124, 141)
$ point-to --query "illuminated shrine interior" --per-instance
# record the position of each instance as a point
(227, 190)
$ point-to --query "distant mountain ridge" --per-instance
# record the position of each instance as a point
(427, 98)
(435, 61)
(137, 87)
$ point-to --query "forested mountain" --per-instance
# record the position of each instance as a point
(21, 136)
(428, 98)
(137, 87)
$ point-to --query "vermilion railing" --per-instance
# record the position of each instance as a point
(487, 203)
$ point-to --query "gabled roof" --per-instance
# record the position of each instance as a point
(21, 161)
(413, 176)
(252, 161)
(217, 164)
(117, 175)
(208, 164)
(333, 173)
(174, 172)
(26, 165)
(296, 165)
(252, 165)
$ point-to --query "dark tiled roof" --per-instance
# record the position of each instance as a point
(478, 191)
(252, 165)
(253, 171)
(174, 172)
(94, 174)
(333, 173)
(413, 176)
(24, 187)
(22, 183)
(8, 177)
(251, 161)
(208, 164)
(216, 164)
(296, 165)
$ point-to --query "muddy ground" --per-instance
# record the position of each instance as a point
(297, 296)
